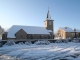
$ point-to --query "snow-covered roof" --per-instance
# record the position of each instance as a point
(49, 19)
(67, 29)
(77, 30)
(28, 29)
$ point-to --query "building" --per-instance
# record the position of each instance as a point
(66, 32)
(31, 32)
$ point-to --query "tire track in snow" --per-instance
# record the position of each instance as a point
(48, 54)
(38, 47)
(3, 52)
(71, 55)
(58, 55)
(21, 54)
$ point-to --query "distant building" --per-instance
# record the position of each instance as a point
(66, 32)
(31, 32)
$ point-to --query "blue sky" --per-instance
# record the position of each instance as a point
(33, 12)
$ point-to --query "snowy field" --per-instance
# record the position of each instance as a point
(53, 51)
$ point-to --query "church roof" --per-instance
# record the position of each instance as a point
(28, 29)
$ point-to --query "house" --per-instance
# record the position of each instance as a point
(31, 32)
(67, 32)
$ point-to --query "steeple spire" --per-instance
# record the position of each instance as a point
(48, 9)
(48, 15)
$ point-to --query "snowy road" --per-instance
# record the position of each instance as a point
(55, 51)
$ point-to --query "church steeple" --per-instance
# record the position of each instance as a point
(48, 23)
(48, 15)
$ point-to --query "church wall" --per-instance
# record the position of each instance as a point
(21, 34)
(42, 36)
(36, 36)
(11, 38)
(45, 36)
(29, 36)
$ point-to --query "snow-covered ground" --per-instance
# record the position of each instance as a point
(53, 51)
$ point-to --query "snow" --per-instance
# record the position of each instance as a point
(11, 42)
(42, 42)
(28, 29)
(77, 30)
(0, 38)
(49, 19)
(53, 51)
(68, 29)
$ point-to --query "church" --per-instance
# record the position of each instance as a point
(17, 32)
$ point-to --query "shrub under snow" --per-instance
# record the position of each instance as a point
(9, 42)
(42, 42)
(75, 40)
(28, 43)
(58, 41)
(20, 43)
(1, 44)
(66, 41)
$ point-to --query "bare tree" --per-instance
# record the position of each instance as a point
(1, 31)
(56, 34)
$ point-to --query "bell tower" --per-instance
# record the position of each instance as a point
(48, 23)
